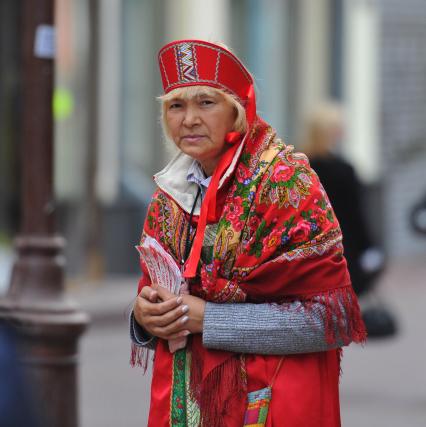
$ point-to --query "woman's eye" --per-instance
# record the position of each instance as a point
(175, 105)
(207, 102)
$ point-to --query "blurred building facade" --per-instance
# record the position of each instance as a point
(366, 53)
(9, 134)
(9, 108)
(403, 124)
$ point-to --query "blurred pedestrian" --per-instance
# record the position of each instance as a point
(322, 134)
(16, 406)
(245, 217)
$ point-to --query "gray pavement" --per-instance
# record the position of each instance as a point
(383, 383)
(112, 393)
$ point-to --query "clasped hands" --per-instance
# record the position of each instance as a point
(166, 315)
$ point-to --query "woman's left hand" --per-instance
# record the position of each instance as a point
(195, 313)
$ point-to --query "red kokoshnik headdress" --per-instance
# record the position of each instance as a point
(200, 63)
(196, 62)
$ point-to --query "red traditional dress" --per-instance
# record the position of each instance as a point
(271, 236)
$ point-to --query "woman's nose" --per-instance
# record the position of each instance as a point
(191, 117)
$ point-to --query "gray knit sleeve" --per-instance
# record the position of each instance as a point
(139, 336)
(266, 328)
(256, 328)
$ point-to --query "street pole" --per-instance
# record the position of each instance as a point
(49, 325)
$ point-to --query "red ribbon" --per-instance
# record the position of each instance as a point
(233, 137)
(208, 211)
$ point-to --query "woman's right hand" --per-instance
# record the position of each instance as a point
(163, 319)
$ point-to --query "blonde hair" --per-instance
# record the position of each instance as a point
(319, 125)
(190, 92)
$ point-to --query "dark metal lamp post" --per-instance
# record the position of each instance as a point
(49, 325)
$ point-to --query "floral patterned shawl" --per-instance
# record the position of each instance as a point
(277, 240)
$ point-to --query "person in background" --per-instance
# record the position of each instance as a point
(17, 408)
(322, 134)
(270, 302)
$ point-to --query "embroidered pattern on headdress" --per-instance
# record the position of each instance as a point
(187, 66)
(186, 62)
(216, 71)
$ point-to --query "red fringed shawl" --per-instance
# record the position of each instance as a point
(277, 240)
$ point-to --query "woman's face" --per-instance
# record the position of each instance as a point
(198, 126)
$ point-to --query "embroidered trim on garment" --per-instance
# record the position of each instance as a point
(192, 409)
(207, 81)
(178, 395)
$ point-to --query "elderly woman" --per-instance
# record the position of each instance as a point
(270, 300)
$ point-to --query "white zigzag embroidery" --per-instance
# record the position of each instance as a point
(186, 63)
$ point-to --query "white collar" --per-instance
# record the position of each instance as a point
(173, 180)
(196, 174)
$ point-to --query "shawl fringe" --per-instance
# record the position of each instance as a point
(343, 320)
(139, 356)
(217, 393)
(341, 315)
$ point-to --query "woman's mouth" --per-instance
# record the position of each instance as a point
(192, 138)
